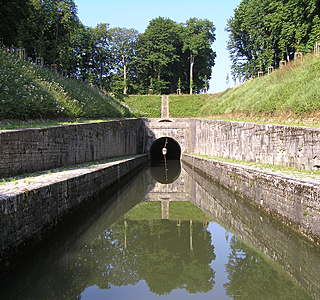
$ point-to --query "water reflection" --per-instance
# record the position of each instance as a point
(152, 240)
(166, 171)
(252, 277)
(156, 251)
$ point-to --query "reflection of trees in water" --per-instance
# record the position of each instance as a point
(252, 277)
(156, 251)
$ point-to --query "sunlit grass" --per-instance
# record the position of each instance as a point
(261, 165)
(183, 106)
(31, 92)
(293, 89)
(144, 106)
(16, 124)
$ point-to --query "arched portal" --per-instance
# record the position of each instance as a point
(172, 152)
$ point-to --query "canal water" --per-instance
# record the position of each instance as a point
(169, 232)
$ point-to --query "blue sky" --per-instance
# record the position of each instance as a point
(137, 14)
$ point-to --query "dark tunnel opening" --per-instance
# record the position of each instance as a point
(172, 150)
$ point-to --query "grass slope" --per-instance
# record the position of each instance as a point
(184, 106)
(144, 106)
(31, 92)
(294, 89)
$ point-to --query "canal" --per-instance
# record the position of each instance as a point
(168, 232)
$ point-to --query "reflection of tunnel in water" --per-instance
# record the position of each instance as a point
(166, 173)
(173, 149)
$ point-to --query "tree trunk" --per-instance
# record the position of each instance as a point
(101, 72)
(125, 88)
(191, 73)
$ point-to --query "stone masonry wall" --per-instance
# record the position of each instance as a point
(29, 214)
(271, 144)
(30, 150)
(294, 201)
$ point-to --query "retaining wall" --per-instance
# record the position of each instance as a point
(35, 149)
(271, 144)
(26, 214)
(295, 202)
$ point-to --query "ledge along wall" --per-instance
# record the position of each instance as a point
(26, 215)
(30, 150)
(270, 144)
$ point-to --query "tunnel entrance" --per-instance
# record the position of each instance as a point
(172, 149)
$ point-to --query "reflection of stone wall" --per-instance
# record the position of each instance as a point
(300, 258)
(176, 191)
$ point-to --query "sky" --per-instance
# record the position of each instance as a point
(137, 14)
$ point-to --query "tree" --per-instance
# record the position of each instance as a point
(48, 28)
(158, 51)
(263, 32)
(12, 14)
(102, 57)
(123, 48)
(198, 36)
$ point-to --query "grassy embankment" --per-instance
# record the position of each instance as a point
(144, 106)
(288, 96)
(178, 211)
(32, 96)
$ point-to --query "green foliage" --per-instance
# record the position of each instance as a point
(29, 92)
(123, 44)
(294, 89)
(146, 106)
(263, 32)
(117, 60)
(163, 55)
(198, 35)
(159, 53)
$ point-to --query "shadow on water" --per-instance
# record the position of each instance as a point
(159, 236)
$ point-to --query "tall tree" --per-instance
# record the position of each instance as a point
(198, 37)
(12, 14)
(158, 50)
(263, 32)
(123, 47)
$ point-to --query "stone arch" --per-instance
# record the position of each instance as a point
(172, 146)
(165, 120)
